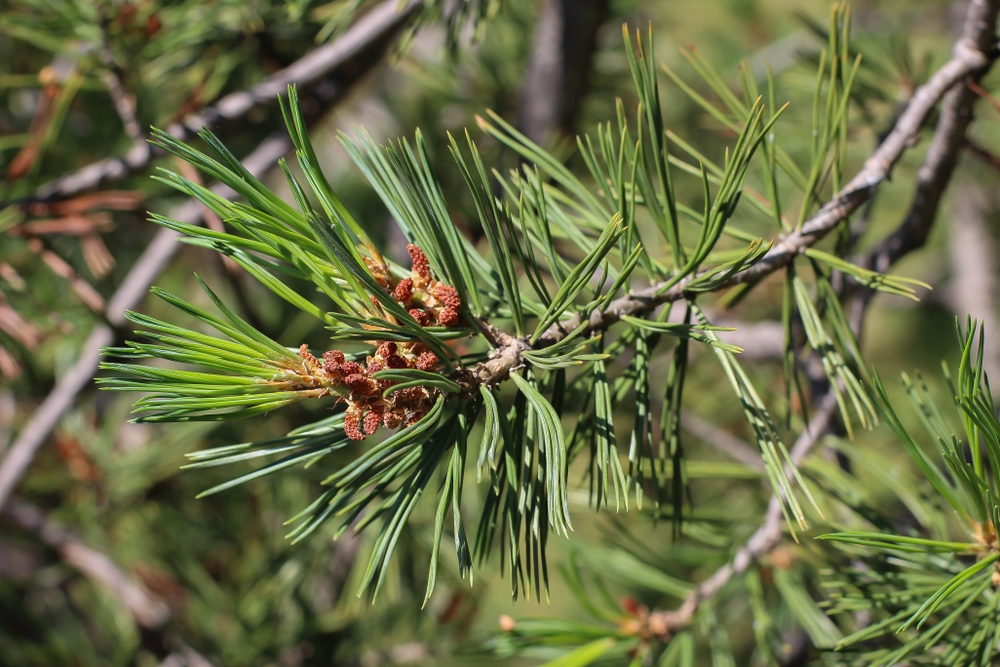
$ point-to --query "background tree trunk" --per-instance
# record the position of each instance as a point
(559, 66)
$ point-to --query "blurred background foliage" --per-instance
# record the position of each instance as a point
(225, 587)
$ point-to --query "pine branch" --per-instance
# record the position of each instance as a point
(973, 54)
(46, 417)
(329, 70)
(949, 140)
(932, 180)
(934, 176)
(411, 377)
(767, 536)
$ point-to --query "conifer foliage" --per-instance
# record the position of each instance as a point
(558, 337)
(419, 371)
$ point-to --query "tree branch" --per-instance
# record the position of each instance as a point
(761, 341)
(972, 56)
(983, 154)
(949, 137)
(328, 63)
(722, 440)
(147, 608)
(767, 536)
(932, 179)
(122, 99)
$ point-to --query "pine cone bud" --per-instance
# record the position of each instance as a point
(305, 354)
(422, 318)
(404, 290)
(427, 361)
(420, 265)
(412, 395)
(392, 420)
(396, 361)
(360, 384)
(372, 420)
(350, 367)
(352, 425)
(448, 317)
(332, 361)
(447, 295)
